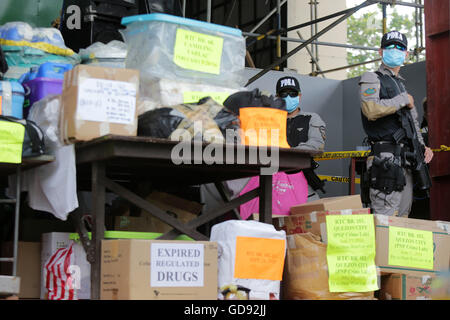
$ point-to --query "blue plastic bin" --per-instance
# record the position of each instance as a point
(12, 98)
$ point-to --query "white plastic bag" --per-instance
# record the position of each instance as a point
(230, 236)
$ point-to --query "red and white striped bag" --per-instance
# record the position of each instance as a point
(59, 281)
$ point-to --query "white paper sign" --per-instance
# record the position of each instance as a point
(106, 101)
(177, 265)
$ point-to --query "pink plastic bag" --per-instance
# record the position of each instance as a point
(287, 190)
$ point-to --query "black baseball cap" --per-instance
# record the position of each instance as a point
(288, 83)
(394, 37)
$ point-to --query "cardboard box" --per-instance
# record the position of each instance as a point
(158, 270)
(97, 101)
(182, 209)
(314, 222)
(329, 204)
(407, 287)
(28, 267)
(306, 271)
(56, 240)
(441, 245)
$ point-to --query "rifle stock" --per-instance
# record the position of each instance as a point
(421, 175)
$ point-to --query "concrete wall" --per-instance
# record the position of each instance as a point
(325, 97)
(329, 57)
(338, 104)
(415, 76)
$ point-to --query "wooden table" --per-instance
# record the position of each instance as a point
(112, 162)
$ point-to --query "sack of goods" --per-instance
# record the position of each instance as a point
(158, 93)
(251, 260)
(167, 46)
(26, 47)
(206, 121)
(111, 55)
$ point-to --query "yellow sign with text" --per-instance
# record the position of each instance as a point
(259, 258)
(410, 248)
(198, 51)
(11, 141)
(195, 96)
(351, 253)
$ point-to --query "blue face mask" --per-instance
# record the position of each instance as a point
(292, 103)
(393, 57)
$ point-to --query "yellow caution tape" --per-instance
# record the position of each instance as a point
(358, 154)
(442, 148)
(338, 179)
(39, 45)
(341, 155)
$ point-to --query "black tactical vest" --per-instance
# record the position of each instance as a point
(383, 128)
(294, 135)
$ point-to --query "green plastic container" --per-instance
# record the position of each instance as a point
(130, 235)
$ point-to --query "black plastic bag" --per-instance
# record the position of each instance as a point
(3, 63)
(162, 122)
(161, 6)
(254, 98)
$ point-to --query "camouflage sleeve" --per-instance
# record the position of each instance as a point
(416, 125)
(371, 105)
(316, 134)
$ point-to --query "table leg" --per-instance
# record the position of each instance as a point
(265, 198)
(98, 228)
(352, 176)
(16, 219)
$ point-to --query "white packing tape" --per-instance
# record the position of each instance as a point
(444, 226)
(313, 216)
(323, 232)
(425, 279)
(346, 211)
(291, 241)
(383, 219)
(281, 222)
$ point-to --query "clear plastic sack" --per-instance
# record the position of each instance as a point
(152, 44)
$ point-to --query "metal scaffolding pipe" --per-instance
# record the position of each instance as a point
(208, 11)
(297, 49)
(345, 67)
(400, 3)
(312, 56)
(266, 17)
(320, 43)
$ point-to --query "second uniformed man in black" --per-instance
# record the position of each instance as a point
(382, 95)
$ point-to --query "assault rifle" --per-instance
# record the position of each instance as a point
(421, 175)
(312, 178)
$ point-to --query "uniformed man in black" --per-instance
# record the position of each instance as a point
(305, 130)
(382, 95)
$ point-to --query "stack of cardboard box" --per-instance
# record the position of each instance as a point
(306, 274)
(411, 254)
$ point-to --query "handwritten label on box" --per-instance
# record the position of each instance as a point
(106, 101)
